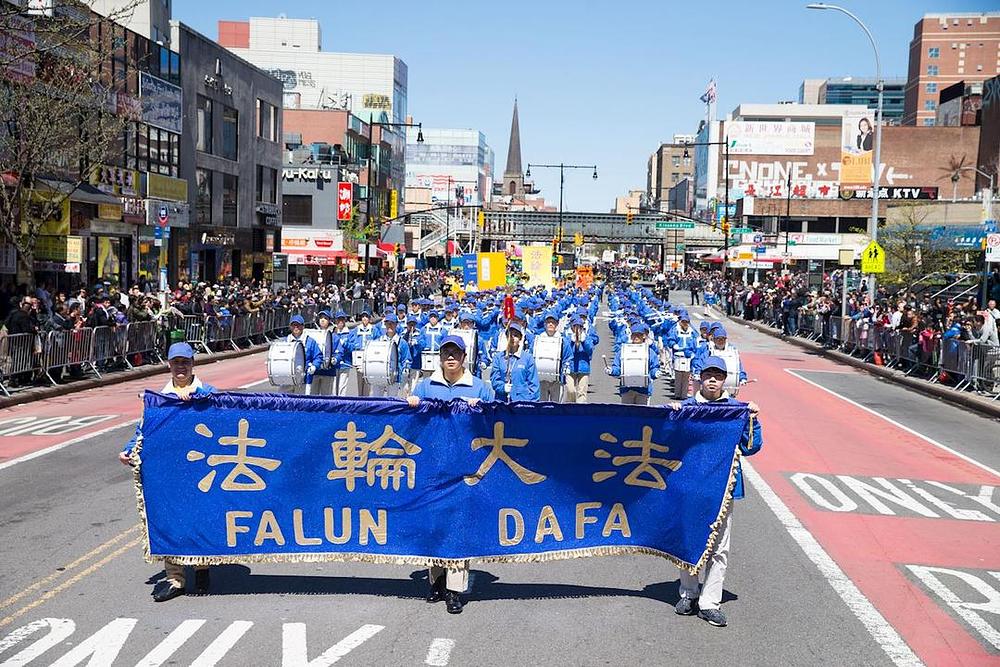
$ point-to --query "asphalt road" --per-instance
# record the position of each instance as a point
(812, 580)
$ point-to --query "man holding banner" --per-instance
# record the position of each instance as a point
(451, 380)
(703, 594)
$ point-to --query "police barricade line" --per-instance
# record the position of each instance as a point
(18, 355)
(105, 346)
(819, 330)
(69, 349)
(954, 361)
(239, 330)
(196, 332)
(984, 368)
(141, 338)
(256, 327)
(805, 324)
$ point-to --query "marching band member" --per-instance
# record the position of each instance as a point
(467, 321)
(430, 338)
(412, 337)
(513, 374)
(450, 380)
(314, 356)
(637, 395)
(184, 385)
(402, 369)
(450, 320)
(551, 390)
(578, 350)
(362, 333)
(340, 359)
(703, 594)
(325, 380)
(720, 347)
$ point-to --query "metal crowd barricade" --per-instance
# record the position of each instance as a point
(105, 346)
(17, 356)
(70, 348)
(141, 338)
(279, 324)
(836, 335)
(955, 361)
(240, 330)
(196, 332)
(984, 368)
(805, 324)
(256, 327)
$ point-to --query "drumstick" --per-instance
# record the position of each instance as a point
(605, 358)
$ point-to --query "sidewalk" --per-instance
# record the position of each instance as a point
(963, 399)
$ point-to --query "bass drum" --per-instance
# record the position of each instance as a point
(286, 364)
(471, 349)
(635, 364)
(548, 357)
(380, 363)
(323, 338)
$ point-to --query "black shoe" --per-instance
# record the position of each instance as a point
(201, 582)
(713, 617)
(436, 593)
(166, 591)
(454, 602)
(686, 607)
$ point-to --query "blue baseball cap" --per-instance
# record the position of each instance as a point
(683, 315)
(412, 320)
(639, 327)
(466, 316)
(715, 362)
(705, 324)
(718, 331)
(297, 319)
(457, 341)
(516, 326)
(180, 351)
(390, 317)
(341, 315)
(325, 313)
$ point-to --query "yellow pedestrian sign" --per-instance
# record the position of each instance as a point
(873, 259)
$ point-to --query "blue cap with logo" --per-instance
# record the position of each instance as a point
(457, 341)
(180, 351)
(718, 331)
(715, 362)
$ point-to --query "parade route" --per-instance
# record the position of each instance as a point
(868, 536)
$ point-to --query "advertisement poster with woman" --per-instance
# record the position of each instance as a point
(857, 138)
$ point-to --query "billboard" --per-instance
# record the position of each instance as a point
(345, 203)
(536, 261)
(314, 247)
(161, 103)
(770, 137)
(857, 139)
(492, 270)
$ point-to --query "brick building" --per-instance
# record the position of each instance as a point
(666, 168)
(946, 49)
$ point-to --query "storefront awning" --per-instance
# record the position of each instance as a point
(83, 193)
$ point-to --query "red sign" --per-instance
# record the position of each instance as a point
(345, 204)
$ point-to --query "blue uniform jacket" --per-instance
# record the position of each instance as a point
(523, 377)
(468, 386)
(683, 341)
(750, 442)
(577, 358)
(314, 355)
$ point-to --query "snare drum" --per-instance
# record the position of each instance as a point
(682, 364)
(286, 364)
(471, 349)
(380, 363)
(358, 359)
(323, 338)
(429, 361)
(635, 365)
(548, 357)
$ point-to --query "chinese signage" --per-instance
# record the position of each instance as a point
(857, 138)
(345, 200)
(366, 480)
(377, 101)
(314, 247)
(109, 211)
(394, 203)
(161, 103)
(890, 193)
(115, 180)
(770, 138)
(159, 186)
(536, 261)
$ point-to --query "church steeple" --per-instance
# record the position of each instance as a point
(514, 149)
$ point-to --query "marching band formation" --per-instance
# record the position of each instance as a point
(525, 344)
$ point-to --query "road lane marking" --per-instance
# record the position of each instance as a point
(58, 425)
(171, 643)
(969, 611)
(439, 652)
(69, 582)
(819, 370)
(294, 650)
(932, 441)
(102, 647)
(221, 645)
(880, 629)
(67, 443)
(59, 630)
(64, 570)
(253, 384)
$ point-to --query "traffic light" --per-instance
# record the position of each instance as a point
(628, 218)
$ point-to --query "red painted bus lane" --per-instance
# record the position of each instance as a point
(889, 521)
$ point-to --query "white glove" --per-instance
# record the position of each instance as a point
(311, 370)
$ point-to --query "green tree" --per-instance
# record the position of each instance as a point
(913, 249)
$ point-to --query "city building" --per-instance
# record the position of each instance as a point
(960, 104)
(231, 154)
(149, 18)
(946, 49)
(855, 90)
(515, 190)
(809, 91)
(665, 168)
(633, 202)
(373, 87)
(456, 165)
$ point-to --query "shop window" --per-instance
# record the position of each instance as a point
(267, 184)
(296, 209)
(203, 199)
(204, 125)
(230, 133)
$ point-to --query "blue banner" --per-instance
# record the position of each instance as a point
(470, 268)
(269, 477)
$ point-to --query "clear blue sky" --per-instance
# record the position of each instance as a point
(600, 82)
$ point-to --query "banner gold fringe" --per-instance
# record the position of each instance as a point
(425, 561)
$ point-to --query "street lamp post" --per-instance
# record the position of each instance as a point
(562, 181)
(371, 153)
(988, 208)
(879, 84)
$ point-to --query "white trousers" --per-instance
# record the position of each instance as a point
(342, 380)
(713, 575)
(364, 388)
(382, 390)
(550, 391)
(576, 387)
(322, 385)
(456, 578)
(632, 397)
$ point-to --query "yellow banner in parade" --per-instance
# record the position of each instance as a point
(536, 261)
(492, 270)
